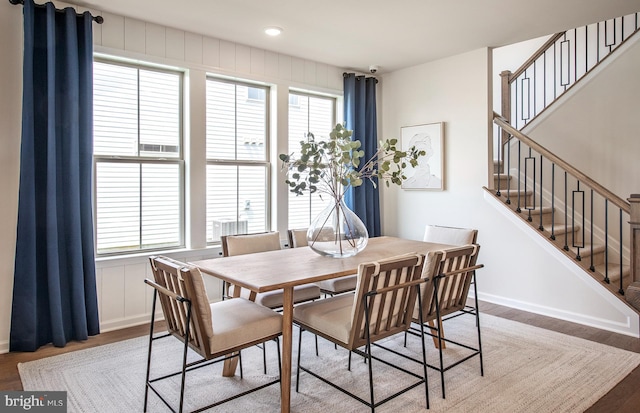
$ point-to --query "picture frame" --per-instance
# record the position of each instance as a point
(429, 173)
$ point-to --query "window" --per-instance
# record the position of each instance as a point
(138, 158)
(315, 114)
(237, 159)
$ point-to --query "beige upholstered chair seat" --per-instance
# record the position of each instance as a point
(275, 299)
(239, 321)
(339, 285)
(331, 316)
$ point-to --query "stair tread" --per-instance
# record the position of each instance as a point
(514, 192)
(586, 250)
(614, 272)
(559, 228)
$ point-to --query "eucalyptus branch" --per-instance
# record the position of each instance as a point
(331, 166)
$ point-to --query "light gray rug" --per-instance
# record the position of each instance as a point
(527, 369)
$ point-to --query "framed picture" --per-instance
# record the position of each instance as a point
(428, 174)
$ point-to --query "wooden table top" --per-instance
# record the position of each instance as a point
(274, 270)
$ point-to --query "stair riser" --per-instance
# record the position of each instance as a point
(504, 182)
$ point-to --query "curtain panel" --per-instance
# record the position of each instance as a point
(54, 292)
(360, 116)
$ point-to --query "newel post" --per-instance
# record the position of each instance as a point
(634, 223)
(505, 98)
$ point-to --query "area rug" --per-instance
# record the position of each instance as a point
(526, 369)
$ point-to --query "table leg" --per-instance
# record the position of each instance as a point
(435, 339)
(229, 366)
(287, 344)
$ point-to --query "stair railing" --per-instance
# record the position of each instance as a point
(558, 65)
(545, 183)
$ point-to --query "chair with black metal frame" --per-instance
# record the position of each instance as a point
(382, 306)
(444, 298)
(216, 332)
(262, 242)
(334, 286)
(453, 236)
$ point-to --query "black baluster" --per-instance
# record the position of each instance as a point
(535, 109)
(586, 49)
(541, 227)
(566, 215)
(508, 169)
(621, 290)
(553, 201)
(592, 268)
(519, 174)
(575, 55)
(575, 244)
(529, 160)
(500, 158)
(606, 241)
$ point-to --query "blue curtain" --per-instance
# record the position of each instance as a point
(54, 291)
(360, 116)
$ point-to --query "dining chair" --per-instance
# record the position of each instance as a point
(444, 297)
(381, 306)
(298, 238)
(452, 236)
(251, 243)
(216, 332)
(267, 241)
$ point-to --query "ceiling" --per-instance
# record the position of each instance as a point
(354, 34)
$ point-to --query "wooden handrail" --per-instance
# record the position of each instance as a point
(616, 200)
(535, 56)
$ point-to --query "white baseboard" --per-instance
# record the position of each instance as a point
(126, 322)
(4, 347)
(630, 328)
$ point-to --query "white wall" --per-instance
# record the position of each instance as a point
(520, 271)
(123, 297)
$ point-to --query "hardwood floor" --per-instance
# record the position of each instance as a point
(623, 398)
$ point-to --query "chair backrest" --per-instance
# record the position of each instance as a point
(250, 243)
(388, 289)
(177, 279)
(450, 235)
(450, 273)
(298, 238)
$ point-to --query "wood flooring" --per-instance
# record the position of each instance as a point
(623, 398)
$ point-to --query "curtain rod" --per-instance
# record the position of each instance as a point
(358, 77)
(97, 19)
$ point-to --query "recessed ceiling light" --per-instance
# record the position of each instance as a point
(273, 31)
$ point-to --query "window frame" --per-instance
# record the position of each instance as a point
(179, 160)
(266, 163)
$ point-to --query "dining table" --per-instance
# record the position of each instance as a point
(287, 268)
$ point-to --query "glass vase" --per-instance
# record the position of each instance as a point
(337, 232)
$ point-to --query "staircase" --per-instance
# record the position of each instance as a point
(550, 222)
(584, 220)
